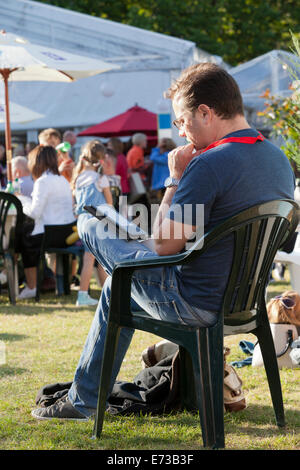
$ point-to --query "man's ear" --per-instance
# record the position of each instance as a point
(205, 111)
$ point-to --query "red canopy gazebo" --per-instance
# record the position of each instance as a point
(135, 119)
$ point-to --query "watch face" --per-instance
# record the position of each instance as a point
(171, 182)
(168, 181)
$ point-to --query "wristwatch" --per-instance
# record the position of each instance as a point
(170, 182)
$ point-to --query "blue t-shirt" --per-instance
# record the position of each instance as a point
(227, 179)
(160, 170)
(26, 185)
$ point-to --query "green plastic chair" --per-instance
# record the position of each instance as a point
(258, 233)
(63, 256)
(9, 202)
(116, 193)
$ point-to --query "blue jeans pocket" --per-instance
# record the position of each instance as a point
(167, 311)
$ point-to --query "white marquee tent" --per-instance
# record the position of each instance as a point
(268, 71)
(149, 61)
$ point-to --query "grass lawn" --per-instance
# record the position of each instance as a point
(42, 345)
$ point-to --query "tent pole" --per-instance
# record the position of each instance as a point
(5, 74)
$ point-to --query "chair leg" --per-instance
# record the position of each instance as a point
(209, 378)
(40, 276)
(66, 273)
(111, 344)
(10, 269)
(216, 354)
(268, 352)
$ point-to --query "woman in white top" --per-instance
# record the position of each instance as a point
(51, 204)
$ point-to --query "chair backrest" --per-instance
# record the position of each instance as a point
(10, 203)
(257, 232)
(115, 192)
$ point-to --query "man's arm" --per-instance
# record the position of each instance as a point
(170, 236)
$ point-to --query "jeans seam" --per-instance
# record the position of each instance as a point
(151, 283)
(177, 312)
(169, 302)
(190, 310)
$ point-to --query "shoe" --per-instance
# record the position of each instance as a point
(27, 293)
(83, 299)
(61, 409)
(75, 283)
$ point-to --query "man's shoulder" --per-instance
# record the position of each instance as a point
(26, 178)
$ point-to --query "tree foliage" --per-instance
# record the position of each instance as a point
(237, 31)
(284, 115)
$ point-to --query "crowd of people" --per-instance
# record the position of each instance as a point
(54, 189)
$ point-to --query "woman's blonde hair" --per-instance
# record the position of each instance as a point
(91, 153)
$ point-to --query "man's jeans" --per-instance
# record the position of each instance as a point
(154, 290)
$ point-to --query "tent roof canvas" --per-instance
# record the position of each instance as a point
(133, 48)
(149, 61)
(267, 71)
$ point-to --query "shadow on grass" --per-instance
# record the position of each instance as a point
(6, 337)
(262, 417)
(7, 370)
(48, 303)
(45, 306)
(34, 309)
(257, 420)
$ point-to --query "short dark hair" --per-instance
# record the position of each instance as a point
(42, 158)
(209, 84)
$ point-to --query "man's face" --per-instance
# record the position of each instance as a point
(189, 123)
(53, 141)
(143, 144)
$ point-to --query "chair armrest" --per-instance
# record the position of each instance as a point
(152, 262)
(122, 279)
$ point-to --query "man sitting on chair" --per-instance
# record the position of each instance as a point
(226, 167)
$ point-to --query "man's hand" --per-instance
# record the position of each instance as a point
(179, 158)
(66, 165)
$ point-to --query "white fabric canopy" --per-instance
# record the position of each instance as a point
(268, 71)
(41, 63)
(18, 113)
